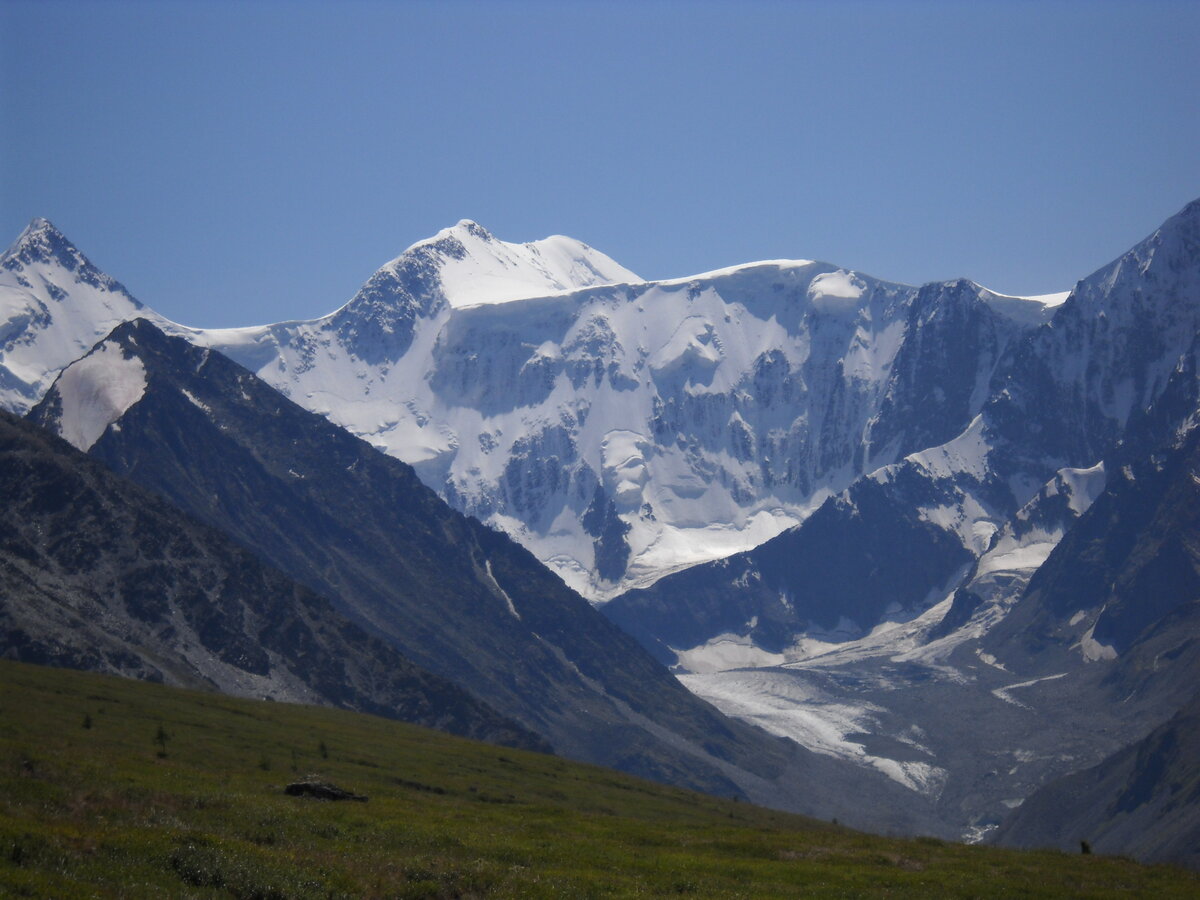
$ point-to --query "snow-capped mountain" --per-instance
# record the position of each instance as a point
(54, 305)
(622, 429)
(923, 592)
(1057, 402)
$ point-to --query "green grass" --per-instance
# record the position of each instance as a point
(105, 811)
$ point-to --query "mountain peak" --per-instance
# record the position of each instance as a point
(41, 243)
(37, 223)
(475, 267)
(473, 228)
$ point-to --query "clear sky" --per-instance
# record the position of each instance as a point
(241, 163)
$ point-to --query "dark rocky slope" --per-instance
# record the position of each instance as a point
(97, 573)
(1143, 801)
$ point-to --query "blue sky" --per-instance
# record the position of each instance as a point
(240, 163)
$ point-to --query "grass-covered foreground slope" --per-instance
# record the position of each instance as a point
(122, 788)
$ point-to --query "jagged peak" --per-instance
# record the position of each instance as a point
(473, 228)
(455, 236)
(41, 243)
(38, 223)
(39, 236)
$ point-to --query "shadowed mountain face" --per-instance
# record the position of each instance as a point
(1124, 586)
(358, 527)
(1143, 801)
(1131, 565)
(96, 573)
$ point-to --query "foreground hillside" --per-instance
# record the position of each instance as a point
(113, 787)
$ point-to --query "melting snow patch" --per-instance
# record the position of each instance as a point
(1082, 486)
(1093, 650)
(967, 454)
(989, 660)
(507, 599)
(96, 391)
(192, 398)
(977, 834)
(1003, 693)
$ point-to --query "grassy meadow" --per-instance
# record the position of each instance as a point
(115, 788)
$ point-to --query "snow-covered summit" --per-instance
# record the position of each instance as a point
(54, 306)
(41, 244)
(475, 267)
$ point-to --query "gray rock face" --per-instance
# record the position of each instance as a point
(97, 574)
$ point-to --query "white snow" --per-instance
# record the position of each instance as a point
(724, 652)
(96, 391)
(494, 271)
(837, 291)
(549, 366)
(49, 318)
(1056, 298)
(1030, 310)
(1004, 693)
(1027, 556)
(1093, 650)
(841, 285)
(725, 272)
(527, 327)
(967, 454)
(624, 465)
(691, 344)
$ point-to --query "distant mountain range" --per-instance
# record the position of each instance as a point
(936, 536)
